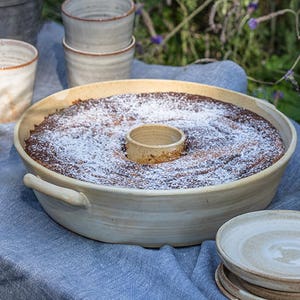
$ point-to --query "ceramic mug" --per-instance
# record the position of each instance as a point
(87, 67)
(98, 25)
(20, 19)
(18, 62)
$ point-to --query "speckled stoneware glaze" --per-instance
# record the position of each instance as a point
(20, 19)
(231, 287)
(267, 293)
(149, 217)
(18, 62)
(263, 248)
(221, 287)
(86, 67)
(98, 25)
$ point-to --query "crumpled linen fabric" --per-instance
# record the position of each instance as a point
(40, 259)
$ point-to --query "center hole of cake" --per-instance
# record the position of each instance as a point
(155, 135)
(154, 143)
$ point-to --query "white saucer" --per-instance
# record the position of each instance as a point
(263, 248)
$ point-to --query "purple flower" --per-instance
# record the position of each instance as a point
(289, 77)
(158, 39)
(139, 48)
(289, 74)
(139, 8)
(278, 95)
(252, 7)
(252, 23)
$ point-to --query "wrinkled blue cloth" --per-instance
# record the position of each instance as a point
(39, 259)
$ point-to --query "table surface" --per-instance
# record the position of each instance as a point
(39, 259)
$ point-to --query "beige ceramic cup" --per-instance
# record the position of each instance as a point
(87, 67)
(18, 62)
(98, 25)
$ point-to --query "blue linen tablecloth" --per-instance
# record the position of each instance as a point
(39, 259)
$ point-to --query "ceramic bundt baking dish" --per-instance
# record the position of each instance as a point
(149, 217)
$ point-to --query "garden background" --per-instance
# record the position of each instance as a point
(261, 36)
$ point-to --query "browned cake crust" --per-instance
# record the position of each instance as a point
(224, 142)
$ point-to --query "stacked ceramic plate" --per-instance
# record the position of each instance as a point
(260, 255)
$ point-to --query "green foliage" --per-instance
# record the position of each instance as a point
(51, 10)
(219, 31)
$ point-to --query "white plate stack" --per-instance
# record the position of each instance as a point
(260, 253)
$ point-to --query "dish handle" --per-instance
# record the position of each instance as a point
(64, 194)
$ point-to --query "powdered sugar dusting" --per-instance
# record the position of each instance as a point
(224, 142)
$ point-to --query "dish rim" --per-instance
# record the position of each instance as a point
(110, 19)
(221, 287)
(20, 44)
(223, 277)
(99, 54)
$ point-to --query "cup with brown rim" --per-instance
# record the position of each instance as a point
(18, 62)
(87, 67)
(98, 25)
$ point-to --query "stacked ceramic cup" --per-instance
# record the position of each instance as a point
(98, 42)
(260, 253)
